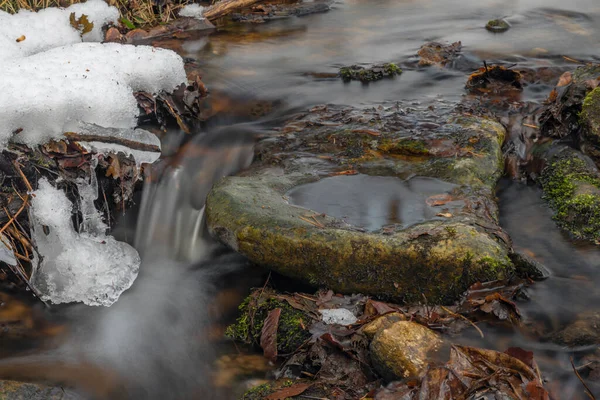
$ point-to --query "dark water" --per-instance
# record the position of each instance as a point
(371, 202)
(157, 339)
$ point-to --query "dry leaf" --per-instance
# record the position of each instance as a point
(268, 335)
(291, 391)
(20, 38)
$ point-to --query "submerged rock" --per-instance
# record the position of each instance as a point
(434, 53)
(583, 331)
(403, 350)
(455, 242)
(11, 390)
(370, 74)
(497, 25)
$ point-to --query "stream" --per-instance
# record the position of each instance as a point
(162, 339)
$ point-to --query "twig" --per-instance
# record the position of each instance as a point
(318, 225)
(465, 318)
(587, 389)
(10, 221)
(18, 168)
(531, 126)
(572, 60)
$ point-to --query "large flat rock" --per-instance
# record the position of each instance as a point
(441, 232)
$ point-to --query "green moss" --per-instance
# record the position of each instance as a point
(572, 188)
(407, 147)
(497, 25)
(590, 112)
(374, 73)
(253, 311)
(258, 392)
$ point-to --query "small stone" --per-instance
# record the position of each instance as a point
(497, 25)
(114, 36)
(584, 331)
(402, 350)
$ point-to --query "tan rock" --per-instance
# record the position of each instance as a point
(382, 322)
(403, 349)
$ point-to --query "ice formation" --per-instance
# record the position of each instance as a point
(87, 266)
(192, 11)
(50, 27)
(339, 316)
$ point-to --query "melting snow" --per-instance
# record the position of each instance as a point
(50, 27)
(192, 11)
(89, 266)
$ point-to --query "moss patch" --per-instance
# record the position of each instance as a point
(572, 187)
(253, 311)
(590, 113)
(375, 73)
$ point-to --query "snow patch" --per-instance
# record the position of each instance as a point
(192, 11)
(339, 316)
(49, 92)
(50, 27)
(89, 266)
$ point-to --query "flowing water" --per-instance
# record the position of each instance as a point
(158, 341)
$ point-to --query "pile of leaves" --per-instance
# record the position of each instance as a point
(333, 361)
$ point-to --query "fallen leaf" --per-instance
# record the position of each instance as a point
(268, 335)
(82, 24)
(290, 391)
(445, 215)
(20, 38)
(565, 79)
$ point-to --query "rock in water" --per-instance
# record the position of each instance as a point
(453, 242)
(401, 351)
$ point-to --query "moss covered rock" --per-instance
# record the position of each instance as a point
(439, 257)
(403, 350)
(571, 184)
(291, 332)
(370, 74)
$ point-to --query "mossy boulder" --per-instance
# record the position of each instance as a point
(403, 350)
(291, 332)
(571, 184)
(439, 257)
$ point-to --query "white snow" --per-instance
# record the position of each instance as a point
(339, 316)
(50, 27)
(192, 11)
(49, 92)
(89, 266)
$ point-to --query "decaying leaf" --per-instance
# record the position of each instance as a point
(268, 337)
(291, 391)
(21, 38)
(82, 24)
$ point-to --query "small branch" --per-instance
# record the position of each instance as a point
(465, 318)
(225, 7)
(587, 389)
(132, 144)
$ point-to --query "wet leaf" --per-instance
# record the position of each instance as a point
(268, 336)
(523, 355)
(82, 24)
(291, 391)
(378, 308)
(21, 38)
(114, 168)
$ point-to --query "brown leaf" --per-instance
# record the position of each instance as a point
(114, 169)
(377, 308)
(438, 199)
(291, 391)
(523, 355)
(565, 79)
(82, 24)
(21, 38)
(536, 391)
(268, 335)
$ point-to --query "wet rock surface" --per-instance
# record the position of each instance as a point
(369, 74)
(439, 257)
(403, 350)
(11, 390)
(571, 184)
